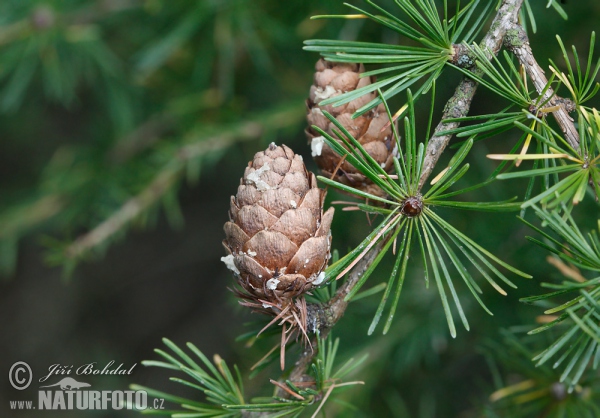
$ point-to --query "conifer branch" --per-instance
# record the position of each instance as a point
(459, 104)
(517, 42)
(323, 318)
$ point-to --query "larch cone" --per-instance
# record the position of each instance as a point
(278, 237)
(372, 129)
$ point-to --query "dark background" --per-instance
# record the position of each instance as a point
(163, 278)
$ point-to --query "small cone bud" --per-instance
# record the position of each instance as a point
(278, 237)
(333, 79)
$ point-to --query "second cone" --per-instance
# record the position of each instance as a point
(333, 79)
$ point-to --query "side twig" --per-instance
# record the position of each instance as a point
(517, 42)
(460, 103)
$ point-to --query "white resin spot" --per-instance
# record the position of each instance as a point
(230, 264)
(319, 279)
(293, 203)
(252, 253)
(254, 177)
(316, 146)
(272, 284)
(326, 93)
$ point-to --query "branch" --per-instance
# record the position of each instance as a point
(517, 42)
(335, 308)
(459, 104)
(325, 317)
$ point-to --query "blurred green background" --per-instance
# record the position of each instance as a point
(134, 120)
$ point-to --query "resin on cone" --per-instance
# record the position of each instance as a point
(333, 79)
(278, 237)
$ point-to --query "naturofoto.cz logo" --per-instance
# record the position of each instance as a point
(71, 394)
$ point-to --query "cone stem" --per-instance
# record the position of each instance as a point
(326, 316)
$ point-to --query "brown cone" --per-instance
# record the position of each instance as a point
(278, 238)
(332, 79)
